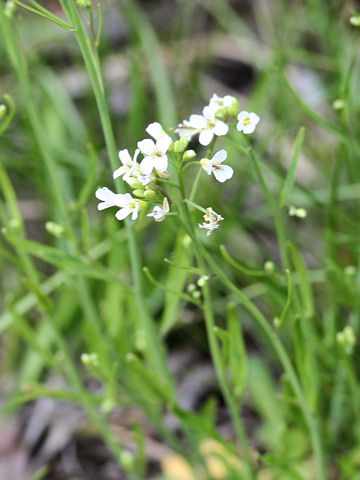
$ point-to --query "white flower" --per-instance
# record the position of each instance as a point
(212, 220)
(217, 102)
(206, 125)
(154, 154)
(143, 178)
(221, 172)
(156, 131)
(158, 212)
(128, 164)
(127, 204)
(247, 122)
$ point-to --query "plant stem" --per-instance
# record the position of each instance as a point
(156, 354)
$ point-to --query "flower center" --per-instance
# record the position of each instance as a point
(157, 153)
(247, 121)
(132, 205)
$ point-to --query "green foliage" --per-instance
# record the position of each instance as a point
(271, 298)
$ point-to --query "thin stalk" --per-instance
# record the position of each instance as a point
(311, 420)
(213, 343)
(279, 225)
(156, 352)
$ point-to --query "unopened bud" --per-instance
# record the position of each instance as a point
(191, 288)
(139, 193)
(355, 20)
(90, 359)
(142, 204)
(196, 294)
(149, 194)
(338, 104)
(10, 8)
(55, 229)
(269, 266)
(84, 3)
(350, 270)
(202, 280)
(189, 155)
(3, 111)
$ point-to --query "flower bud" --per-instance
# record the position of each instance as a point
(55, 229)
(149, 194)
(202, 280)
(234, 109)
(126, 459)
(269, 266)
(350, 270)
(3, 111)
(84, 3)
(139, 193)
(142, 204)
(276, 322)
(346, 339)
(355, 20)
(191, 288)
(10, 8)
(196, 294)
(90, 360)
(189, 155)
(338, 104)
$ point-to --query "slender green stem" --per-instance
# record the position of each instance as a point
(279, 225)
(311, 420)
(156, 354)
(213, 343)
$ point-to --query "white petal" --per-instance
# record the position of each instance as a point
(123, 213)
(224, 174)
(123, 199)
(219, 156)
(147, 146)
(160, 163)
(242, 115)
(249, 128)
(166, 207)
(147, 165)
(119, 171)
(197, 121)
(163, 143)
(209, 167)
(208, 113)
(221, 128)
(105, 194)
(206, 137)
(155, 130)
(124, 157)
(136, 154)
(135, 212)
(103, 205)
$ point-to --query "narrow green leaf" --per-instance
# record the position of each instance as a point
(290, 178)
(237, 352)
(43, 12)
(305, 287)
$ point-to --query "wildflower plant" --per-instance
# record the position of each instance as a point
(149, 177)
(176, 188)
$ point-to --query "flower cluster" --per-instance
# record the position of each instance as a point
(145, 175)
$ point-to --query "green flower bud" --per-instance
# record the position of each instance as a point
(350, 270)
(276, 322)
(90, 360)
(149, 194)
(108, 405)
(189, 155)
(202, 280)
(15, 224)
(140, 340)
(142, 204)
(196, 294)
(355, 20)
(234, 109)
(3, 111)
(84, 3)
(55, 229)
(139, 193)
(136, 185)
(338, 104)
(126, 459)
(346, 339)
(187, 241)
(269, 266)
(10, 8)
(191, 288)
